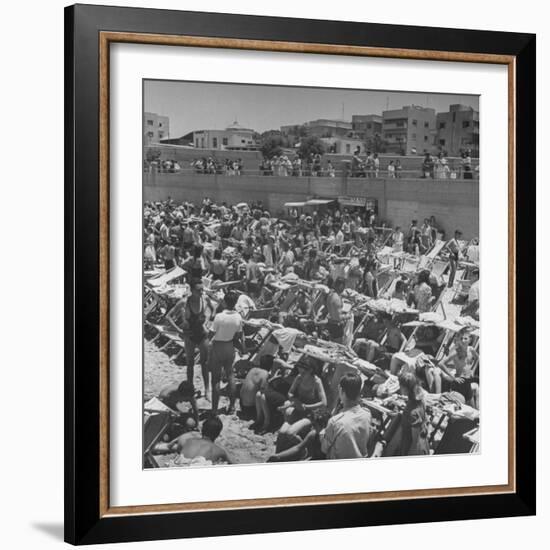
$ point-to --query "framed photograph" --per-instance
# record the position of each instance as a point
(299, 274)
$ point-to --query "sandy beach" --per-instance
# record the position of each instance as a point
(242, 444)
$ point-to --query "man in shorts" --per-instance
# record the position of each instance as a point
(336, 318)
(226, 328)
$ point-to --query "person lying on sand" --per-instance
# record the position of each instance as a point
(191, 446)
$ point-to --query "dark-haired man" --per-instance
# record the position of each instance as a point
(193, 447)
(226, 328)
(175, 394)
(348, 432)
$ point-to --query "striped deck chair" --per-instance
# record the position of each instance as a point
(150, 303)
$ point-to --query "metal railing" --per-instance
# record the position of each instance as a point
(458, 174)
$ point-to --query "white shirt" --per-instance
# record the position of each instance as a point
(226, 324)
(244, 305)
(347, 434)
(473, 253)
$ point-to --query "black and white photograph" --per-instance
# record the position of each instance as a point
(310, 274)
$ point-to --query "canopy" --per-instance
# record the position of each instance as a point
(294, 204)
(352, 201)
(314, 202)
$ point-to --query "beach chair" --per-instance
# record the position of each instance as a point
(436, 248)
(150, 303)
(265, 313)
(438, 267)
(155, 426)
(439, 302)
(166, 277)
(410, 264)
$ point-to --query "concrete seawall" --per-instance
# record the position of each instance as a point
(454, 203)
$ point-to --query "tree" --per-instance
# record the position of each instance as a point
(272, 144)
(376, 144)
(152, 155)
(311, 146)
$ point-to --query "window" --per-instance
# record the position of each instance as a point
(441, 142)
(160, 124)
(371, 204)
(348, 148)
(441, 125)
(161, 135)
(243, 140)
(415, 122)
(400, 124)
(454, 117)
(426, 124)
(369, 126)
(425, 138)
(197, 143)
(149, 123)
(224, 141)
(465, 124)
(413, 136)
(150, 134)
(215, 143)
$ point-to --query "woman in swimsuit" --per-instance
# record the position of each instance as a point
(194, 333)
(306, 393)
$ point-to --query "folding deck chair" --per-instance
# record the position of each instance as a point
(154, 428)
(150, 303)
(166, 277)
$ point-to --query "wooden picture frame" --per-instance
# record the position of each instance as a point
(89, 32)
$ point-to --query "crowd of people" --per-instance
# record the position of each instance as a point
(211, 165)
(367, 165)
(437, 167)
(348, 328)
(283, 165)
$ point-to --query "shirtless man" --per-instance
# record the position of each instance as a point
(256, 380)
(463, 360)
(336, 318)
(192, 447)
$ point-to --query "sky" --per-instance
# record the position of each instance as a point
(213, 106)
